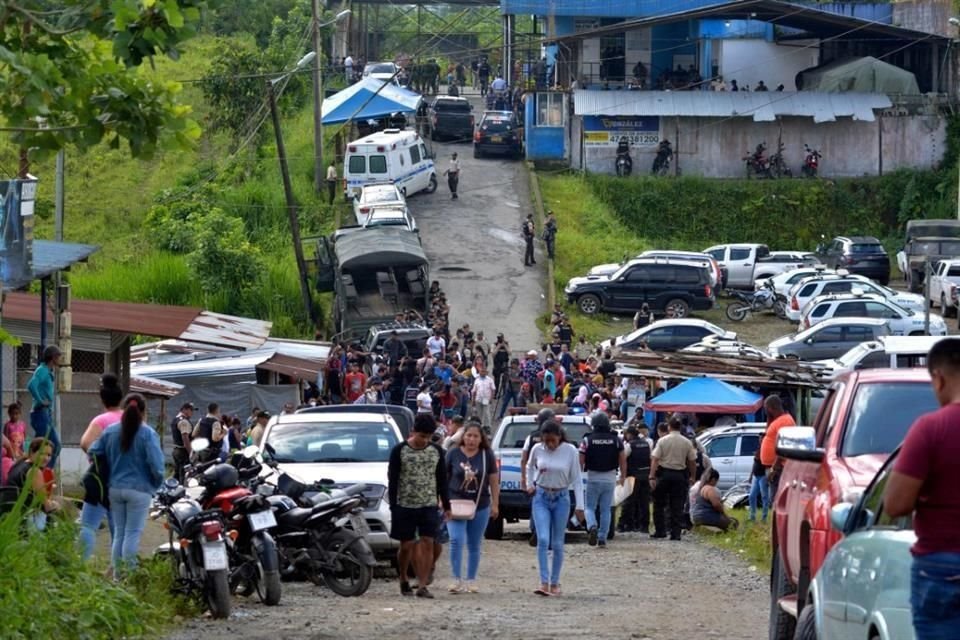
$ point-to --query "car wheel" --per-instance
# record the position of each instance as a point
(432, 186)
(589, 304)
(680, 308)
(782, 624)
(494, 529)
(944, 309)
(806, 624)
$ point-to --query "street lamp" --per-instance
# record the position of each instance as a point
(318, 176)
(288, 187)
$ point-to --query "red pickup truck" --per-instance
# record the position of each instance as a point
(864, 417)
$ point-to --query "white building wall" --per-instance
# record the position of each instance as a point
(750, 61)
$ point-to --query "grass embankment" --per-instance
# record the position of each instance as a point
(751, 541)
(47, 591)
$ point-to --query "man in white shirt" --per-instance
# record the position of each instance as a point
(453, 176)
(484, 390)
(499, 84)
(332, 181)
(348, 68)
(437, 345)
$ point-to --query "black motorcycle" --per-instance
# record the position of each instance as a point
(624, 161)
(197, 547)
(661, 163)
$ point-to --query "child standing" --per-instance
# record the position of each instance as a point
(15, 430)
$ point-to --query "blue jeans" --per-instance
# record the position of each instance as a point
(90, 518)
(551, 509)
(599, 494)
(935, 595)
(129, 508)
(42, 424)
(759, 488)
(469, 534)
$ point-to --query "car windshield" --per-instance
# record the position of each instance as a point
(866, 248)
(384, 67)
(452, 105)
(881, 414)
(332, 442)
(516, 433)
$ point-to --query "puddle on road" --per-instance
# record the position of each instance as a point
(507, 236)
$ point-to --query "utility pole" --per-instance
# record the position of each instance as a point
(318, 175)
(291, 206)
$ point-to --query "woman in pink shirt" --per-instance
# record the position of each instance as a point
(15, 430)
(95, 504)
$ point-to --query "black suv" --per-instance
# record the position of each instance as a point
(498, 132)
(862, 255)
(450, 119)
(677, 285)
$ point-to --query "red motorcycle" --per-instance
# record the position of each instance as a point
(254, 563)
(757, 162)
(811, 163)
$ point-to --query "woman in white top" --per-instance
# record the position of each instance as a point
(424, 399)
(554, 468)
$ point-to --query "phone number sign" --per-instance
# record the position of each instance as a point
(605, 131)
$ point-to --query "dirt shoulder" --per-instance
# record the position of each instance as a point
(636, 588)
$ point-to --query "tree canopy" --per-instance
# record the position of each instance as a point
(68, 72)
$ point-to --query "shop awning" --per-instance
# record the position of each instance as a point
(706, 395)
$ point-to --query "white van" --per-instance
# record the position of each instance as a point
(391, 155)
(894, 352)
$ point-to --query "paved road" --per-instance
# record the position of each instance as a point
(475, 248)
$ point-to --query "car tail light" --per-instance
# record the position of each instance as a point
(708, 291)
(364, 209)
(211, 530)
(794, 304)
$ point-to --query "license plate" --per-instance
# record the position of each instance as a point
(262, 520)
(215, 556)
(496, 139)
(359, 524)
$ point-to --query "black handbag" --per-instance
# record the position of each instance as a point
(96, 481)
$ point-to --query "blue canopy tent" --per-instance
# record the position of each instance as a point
(368, 99)
(706, 395)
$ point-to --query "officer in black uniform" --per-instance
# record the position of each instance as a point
(636, 509)
(602, 454)
(207, 427)
(543, 416)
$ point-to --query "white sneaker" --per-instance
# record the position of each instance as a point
(456, 587)
(472, 586)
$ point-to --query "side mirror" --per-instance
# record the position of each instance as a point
(839, 515)
(809, 340)
(199, 444)
(799, 443)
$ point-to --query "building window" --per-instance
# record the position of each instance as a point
(86, 361)
(550, 109)
(25, 356)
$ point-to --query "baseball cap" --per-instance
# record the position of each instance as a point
(263, 414)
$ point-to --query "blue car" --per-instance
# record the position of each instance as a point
(863, 588)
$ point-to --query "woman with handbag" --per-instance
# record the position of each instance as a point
(96, 505)
(474, 499)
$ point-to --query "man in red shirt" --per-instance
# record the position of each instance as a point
(923, 481)
(354, 383)
(777, 419)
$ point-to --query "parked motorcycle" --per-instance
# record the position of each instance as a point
(764, 299)
(197, 547)
(778, 166)
(811, 162)
(254, 561)
(624, 161)
(757, 162)
(320, 534)
(661, 163)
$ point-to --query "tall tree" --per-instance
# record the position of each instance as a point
(68, 72)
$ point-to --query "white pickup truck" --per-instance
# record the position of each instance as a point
(944, 285)
(746, 263)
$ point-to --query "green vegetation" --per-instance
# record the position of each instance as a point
(47, 591)
(751, 541)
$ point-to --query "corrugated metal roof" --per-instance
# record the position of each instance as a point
(162, 321)
(48, 258)
(152, 387)
(296, 368)
(762, 106)
(241, 365)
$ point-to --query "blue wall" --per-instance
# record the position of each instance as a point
(600, 8)
(678, 38)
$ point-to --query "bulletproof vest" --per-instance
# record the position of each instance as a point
(639, 457)
(603, 453)
(205, 428)
(535, 438)
(175, 432)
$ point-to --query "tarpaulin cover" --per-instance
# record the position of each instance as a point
(370, 98)
(706, 395)
(867, 75)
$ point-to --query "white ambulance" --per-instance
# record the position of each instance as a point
(391, 155)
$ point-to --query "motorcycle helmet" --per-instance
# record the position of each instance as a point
(543, 415)
(600, 421)
(220, 477)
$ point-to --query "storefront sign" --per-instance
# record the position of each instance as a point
(604, 131)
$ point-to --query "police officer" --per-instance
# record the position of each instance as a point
(602, 454)
(180, 430)
(209, 427)
(543, 416)
(673, 468)
(636, 508)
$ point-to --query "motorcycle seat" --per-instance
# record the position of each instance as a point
(294, 517)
